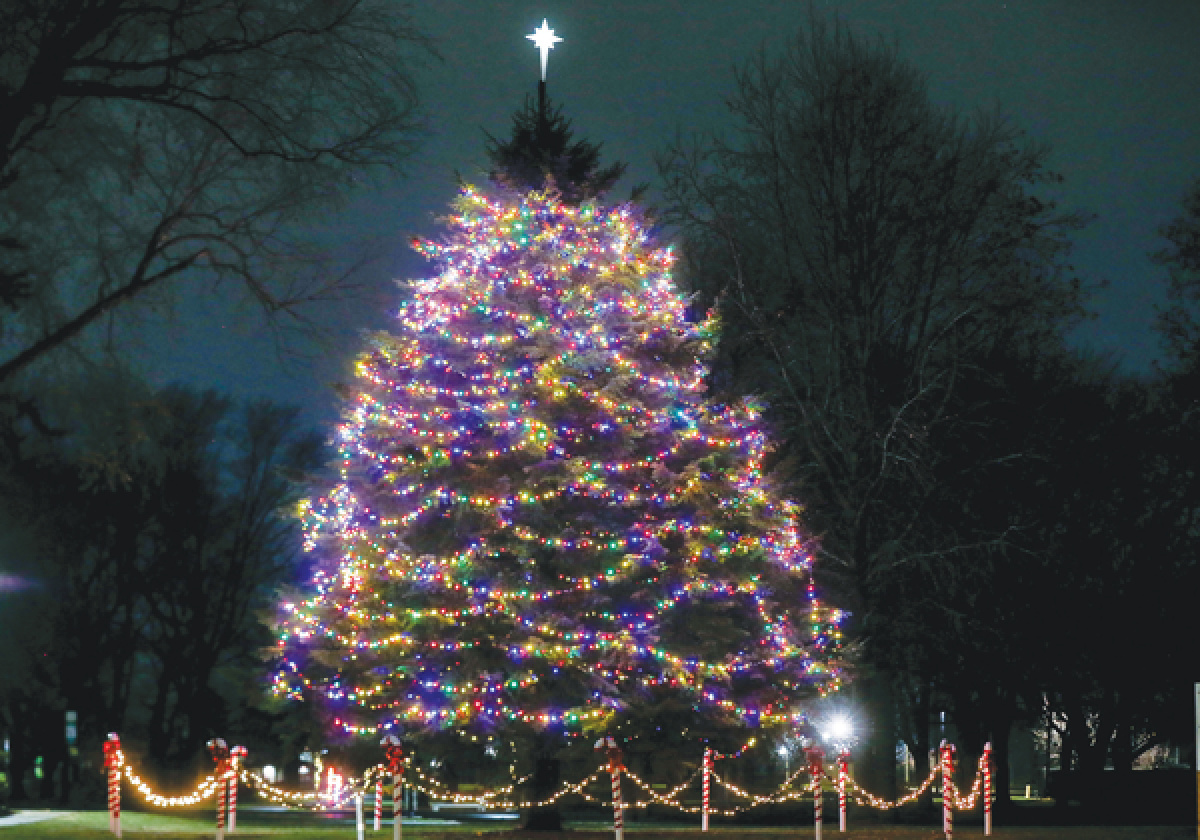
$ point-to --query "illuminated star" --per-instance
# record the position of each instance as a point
(544, 39)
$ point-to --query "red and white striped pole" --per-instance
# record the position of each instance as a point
(112, 769)
(220, 805)
(843, 773)
(816, 767)
(948, 790)
(987, 789)
(704, 802)
(235, 758)
(395, 765)
(379, 797)
(609, 745)
(618, 807)
(398, 804)
(219, 751)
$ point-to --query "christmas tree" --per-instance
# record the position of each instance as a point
(540, 520)
(542, 526)
(542, 146)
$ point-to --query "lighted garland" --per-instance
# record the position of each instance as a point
(545, 389)
(352, 787)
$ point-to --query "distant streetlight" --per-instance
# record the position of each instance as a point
(786, 755)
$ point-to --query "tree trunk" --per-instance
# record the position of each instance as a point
(159, 739)
(545, 782)
(20, 756)
(877, 762)
(999, 727)
(1122, 747)
(968, 736)
(921, 711)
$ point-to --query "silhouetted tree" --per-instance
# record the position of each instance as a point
(146, 141)
(541, 148)
(866, 249)
(1181, 256)
(154, 531)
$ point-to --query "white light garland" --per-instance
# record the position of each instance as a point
(496, 799)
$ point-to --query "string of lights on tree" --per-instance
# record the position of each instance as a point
(540, 516)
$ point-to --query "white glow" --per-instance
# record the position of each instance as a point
(269, 773)
(544, 39)
(839, 728)
(783, 751)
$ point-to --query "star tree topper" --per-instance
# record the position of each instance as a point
(544, 39)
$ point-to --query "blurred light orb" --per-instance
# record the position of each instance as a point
(12, 583)
(839, 728)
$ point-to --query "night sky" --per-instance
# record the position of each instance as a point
(1110, 85)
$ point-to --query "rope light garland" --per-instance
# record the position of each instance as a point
(353, 789)
(202, 791)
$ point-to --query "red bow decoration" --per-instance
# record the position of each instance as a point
(394, 753)
(219, 751)
(609, 745)
(112, 747)
(816, 760)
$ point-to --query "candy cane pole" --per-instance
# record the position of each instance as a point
(112, 766)
(614, 768)
(398, 805)
(816, 767)
(395, 765)
(987, 788)
(818, 808)
(219, 751)
(358, 818)
(704, 802)
(221, 784)
(842, 773)
(232, 802)
(948, 790)
(609, 745)
(942, 771)
(379, 798)
(236, 756)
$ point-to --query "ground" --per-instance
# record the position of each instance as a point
(93, 825)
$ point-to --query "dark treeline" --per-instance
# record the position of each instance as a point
(148, 147)
(147, 540)
(1012, 524)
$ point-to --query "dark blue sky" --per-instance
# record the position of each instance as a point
(1110, 85)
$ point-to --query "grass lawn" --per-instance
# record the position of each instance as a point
(93, 825)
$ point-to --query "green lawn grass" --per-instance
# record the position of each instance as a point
(93, 825)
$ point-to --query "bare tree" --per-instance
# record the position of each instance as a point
(1181, 256)
(152, 534)
(145, 141)
(866, 249)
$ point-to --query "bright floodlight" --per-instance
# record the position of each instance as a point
(783, 751)
(839, 728)
(544, 39)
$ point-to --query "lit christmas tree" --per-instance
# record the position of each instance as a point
(541, 525)
(540, 519)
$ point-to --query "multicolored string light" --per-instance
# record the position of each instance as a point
(535, 492)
